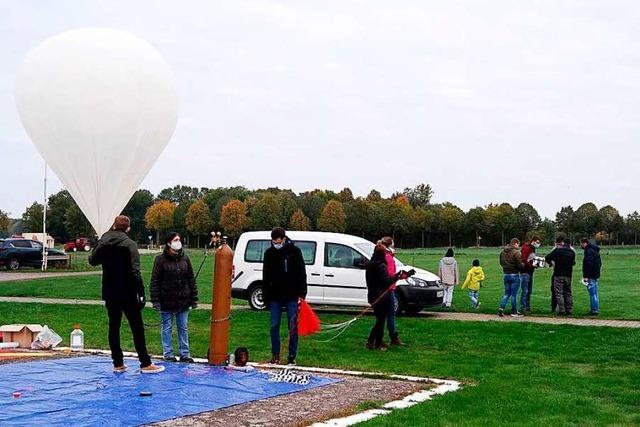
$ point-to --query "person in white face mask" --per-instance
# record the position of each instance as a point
(173, 292)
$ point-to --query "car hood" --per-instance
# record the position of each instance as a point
(422, 274)
(55, 252)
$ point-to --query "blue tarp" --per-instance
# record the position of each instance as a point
(84, 391)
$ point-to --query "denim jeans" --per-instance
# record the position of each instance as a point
(594, 298)
(181, 319)
(391, 316)
(511, 286)
(526, 282)
(475, 298)
(276, 308)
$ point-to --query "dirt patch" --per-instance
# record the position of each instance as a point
(353, 394)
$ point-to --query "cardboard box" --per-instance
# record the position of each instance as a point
(22, 334)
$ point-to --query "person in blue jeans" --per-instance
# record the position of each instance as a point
(511, 262)
(284, 281)
(591, 265)
(173, 293)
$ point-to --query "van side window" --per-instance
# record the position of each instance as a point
(256, 248)
(341, 256)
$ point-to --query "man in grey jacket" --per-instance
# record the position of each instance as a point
(123, 292)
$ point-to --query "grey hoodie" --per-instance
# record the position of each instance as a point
(448, 271)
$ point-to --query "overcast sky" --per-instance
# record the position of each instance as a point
(487, 101)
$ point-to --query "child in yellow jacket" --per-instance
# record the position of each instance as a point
(474, 279)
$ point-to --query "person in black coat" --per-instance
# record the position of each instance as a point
(122, 291)
(173, 293)
(378, 282)
(284, 281)
(591, 265)
(563, 259)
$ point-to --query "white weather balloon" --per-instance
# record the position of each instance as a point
(100, 105)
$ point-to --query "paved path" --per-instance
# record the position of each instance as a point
(10, 277)
(475, 317)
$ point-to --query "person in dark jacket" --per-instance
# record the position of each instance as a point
(563, 259)
(284, 281)
(511, 262)
(378, 283)
(173, 292)
(591, 265)
(526, 277)
(122, 292)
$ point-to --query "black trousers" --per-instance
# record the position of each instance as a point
(381, 311)
(132, 311)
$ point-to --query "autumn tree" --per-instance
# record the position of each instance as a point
(345, 195)
(452, 219)
(333, 218)
(476, 221)
(135, 210)
(358, 216)
(632, 224)
(587, 219)
(612, 222)
(299, 221)
(32, 218)
(159, 217)
(58, 204)
(76, 223)
(424, 219)
(265, 213)
(198, 219)
(312, 203)
(233, 218)
(5, 222)
(419, 196)
(287, 203)
(527, 219)
(566, 220)
(400, 217)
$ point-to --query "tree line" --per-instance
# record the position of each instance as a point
(408, 215)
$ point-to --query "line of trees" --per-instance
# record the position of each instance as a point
(409, 215)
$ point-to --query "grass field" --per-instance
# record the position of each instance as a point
(619, 286)
(513, 373)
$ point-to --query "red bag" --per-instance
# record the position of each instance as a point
(308, 322)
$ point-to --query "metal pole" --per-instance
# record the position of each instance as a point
(44, 221)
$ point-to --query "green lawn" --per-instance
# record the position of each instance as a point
(514, 373)
(619, 286)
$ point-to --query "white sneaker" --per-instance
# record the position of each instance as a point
(152, 369)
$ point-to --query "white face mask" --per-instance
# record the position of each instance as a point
(535, 245)
(176, 245)
(278, 245)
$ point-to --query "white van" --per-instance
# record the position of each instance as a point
(335, 271)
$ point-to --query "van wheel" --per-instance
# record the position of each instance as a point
(256, 302)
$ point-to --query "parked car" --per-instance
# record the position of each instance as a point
(16, 253)
(335, 271)
(80, 244)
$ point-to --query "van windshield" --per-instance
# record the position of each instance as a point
(367, 248)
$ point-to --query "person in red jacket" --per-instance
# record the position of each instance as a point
(526, 277)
